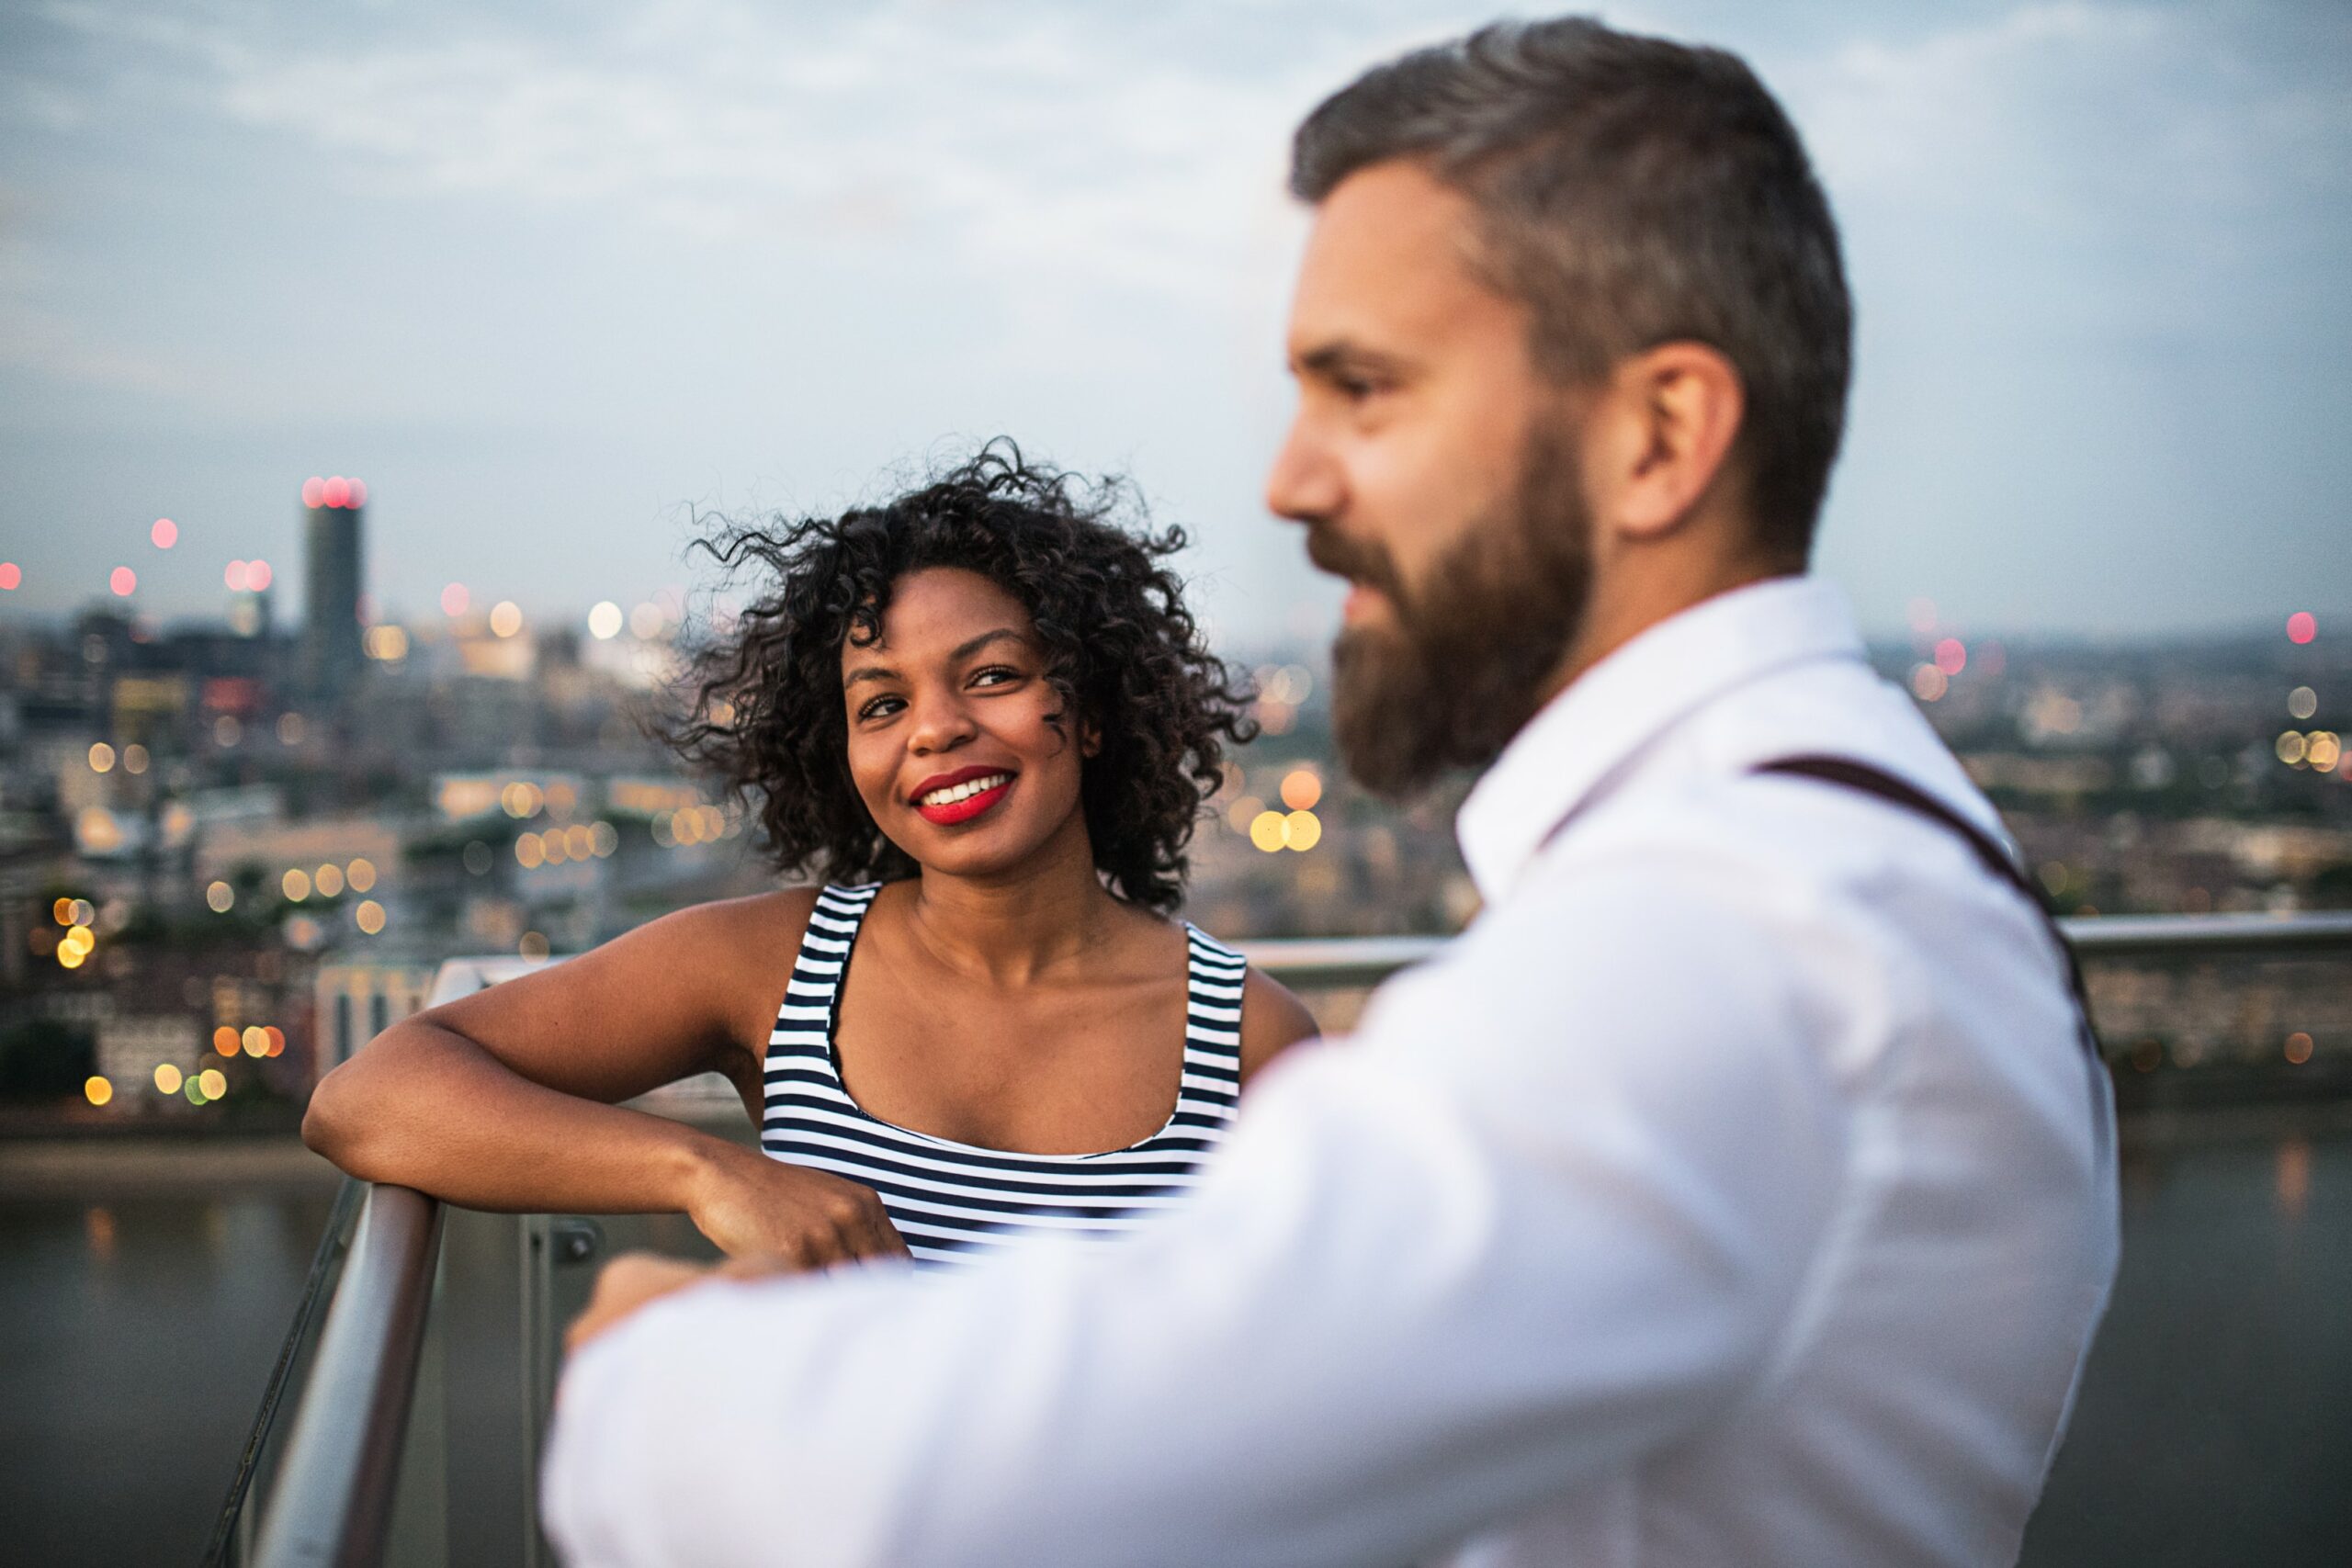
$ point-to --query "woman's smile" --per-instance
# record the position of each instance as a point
(948, 799)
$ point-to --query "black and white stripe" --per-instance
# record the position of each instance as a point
(954, 1200)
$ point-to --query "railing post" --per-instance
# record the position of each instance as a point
(550, 1242)
(538, 1363)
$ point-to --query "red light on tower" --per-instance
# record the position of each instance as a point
(1951, 656)
(165, 533)
(358, 494)
(2301, 626)
(124, 581)
(336, 491)
(11, 575)
(234, 576)
(257, 575)
(314, 491)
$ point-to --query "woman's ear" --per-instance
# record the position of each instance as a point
(1090, 739)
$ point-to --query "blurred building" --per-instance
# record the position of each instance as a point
(131, 1046)
(333, 540)
(359, 1001)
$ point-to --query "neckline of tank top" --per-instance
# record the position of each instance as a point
(1200, 951)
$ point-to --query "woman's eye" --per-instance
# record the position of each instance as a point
(995, 675)
(880, 707)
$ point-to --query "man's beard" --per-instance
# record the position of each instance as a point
(1475, 645)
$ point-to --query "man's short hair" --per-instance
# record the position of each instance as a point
(1631, 192)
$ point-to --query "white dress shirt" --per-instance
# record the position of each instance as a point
(1734, 1190)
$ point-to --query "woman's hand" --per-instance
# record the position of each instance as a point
(751, 1206)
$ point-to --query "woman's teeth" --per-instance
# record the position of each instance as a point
(964, 791)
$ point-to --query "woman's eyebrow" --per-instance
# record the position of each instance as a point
(965, 650)
(962, 651)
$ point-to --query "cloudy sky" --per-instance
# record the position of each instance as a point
(551, 278)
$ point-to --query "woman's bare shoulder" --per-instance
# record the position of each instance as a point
(742, 930)
(1272, 1020)
(742, 947)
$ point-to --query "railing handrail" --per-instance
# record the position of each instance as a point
(332, 1501)
(305, 1309)
(1353, 961)
(2204, 936)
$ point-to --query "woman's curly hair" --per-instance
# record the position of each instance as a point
(765, 714)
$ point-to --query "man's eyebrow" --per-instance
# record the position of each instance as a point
(1341, 354)
(962, 651)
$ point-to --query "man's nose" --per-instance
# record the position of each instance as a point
(1305, 484)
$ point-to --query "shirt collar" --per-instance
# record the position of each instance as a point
(1580, 738)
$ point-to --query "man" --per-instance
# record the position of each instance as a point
(1738, 1189)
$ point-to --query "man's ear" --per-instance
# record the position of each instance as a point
(1661, 431)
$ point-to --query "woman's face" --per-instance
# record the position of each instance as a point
(962, 751)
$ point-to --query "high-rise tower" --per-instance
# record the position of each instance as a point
(333, 537)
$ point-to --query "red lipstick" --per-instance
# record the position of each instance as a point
(994, 782)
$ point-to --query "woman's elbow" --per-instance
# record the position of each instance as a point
(331, 1121)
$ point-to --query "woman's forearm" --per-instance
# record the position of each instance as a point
(423, 1107)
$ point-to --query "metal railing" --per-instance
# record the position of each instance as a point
(335, 1495)
(363, 1477)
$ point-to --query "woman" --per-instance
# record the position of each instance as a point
(982, 716)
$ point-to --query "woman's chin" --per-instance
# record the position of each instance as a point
(986, 847)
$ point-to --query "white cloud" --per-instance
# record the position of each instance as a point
(1023, 140)
(2130, 116)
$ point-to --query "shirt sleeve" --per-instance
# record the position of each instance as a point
(1545, 1212)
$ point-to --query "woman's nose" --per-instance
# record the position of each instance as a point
(942, 722)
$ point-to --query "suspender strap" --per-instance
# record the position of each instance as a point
(1901, 791)
(1862, 777)
(1849, 773)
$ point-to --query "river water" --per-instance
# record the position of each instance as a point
(2215, 1425)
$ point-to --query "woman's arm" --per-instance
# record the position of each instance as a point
(503, 1100)
(1271, 1021)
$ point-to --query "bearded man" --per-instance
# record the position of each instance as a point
(1738, 1187)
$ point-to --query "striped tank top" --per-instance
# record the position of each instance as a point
(953, 1203)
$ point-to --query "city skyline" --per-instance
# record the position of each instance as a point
(554, 290)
